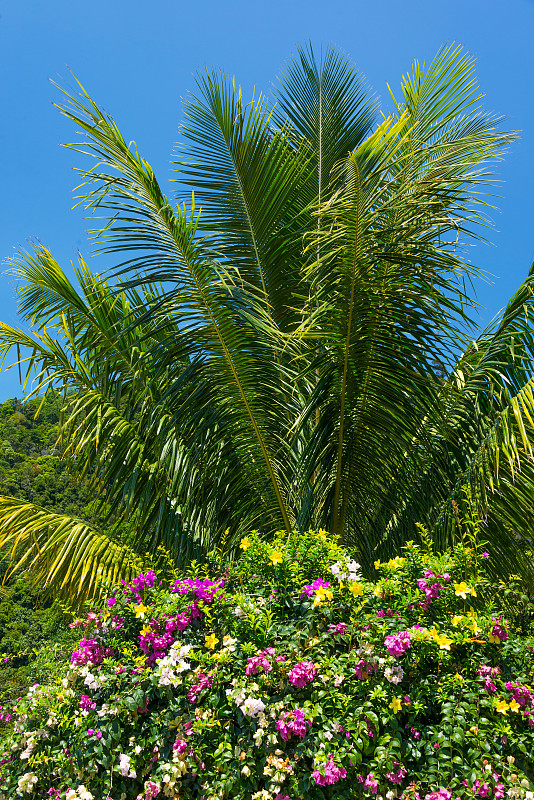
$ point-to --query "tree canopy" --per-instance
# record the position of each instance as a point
(288, 341)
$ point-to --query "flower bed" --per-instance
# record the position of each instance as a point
(287, 676)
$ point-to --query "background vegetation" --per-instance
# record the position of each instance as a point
(33, 469)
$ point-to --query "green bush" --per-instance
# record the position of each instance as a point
(289, 675)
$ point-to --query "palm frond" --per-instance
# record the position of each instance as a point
(64, 555)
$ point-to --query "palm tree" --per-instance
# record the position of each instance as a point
(288, 343)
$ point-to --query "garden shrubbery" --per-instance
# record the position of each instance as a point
(288, 675)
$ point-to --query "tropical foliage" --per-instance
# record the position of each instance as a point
(288, 342)
(288, 675)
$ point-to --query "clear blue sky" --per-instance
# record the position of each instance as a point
(137, 59)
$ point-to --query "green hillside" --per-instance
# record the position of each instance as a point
(32, 468)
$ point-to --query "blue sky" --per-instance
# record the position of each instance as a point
(138, 59)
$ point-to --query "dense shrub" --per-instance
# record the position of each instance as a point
(288, 675)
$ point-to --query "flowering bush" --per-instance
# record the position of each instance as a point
(288, 675)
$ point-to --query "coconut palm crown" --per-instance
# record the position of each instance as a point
(288, 342)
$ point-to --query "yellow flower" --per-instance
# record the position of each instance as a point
(514, 706)
(502, 707)
(462, 590)
(210, 641)
(393, 563)
(443, 641)
(474, 627)
(245, 543)
(322, 596)
(494, 639)
(456, 620)
(145, 629)
(356, 589)
(379, 592)
(377, 564)
(276, 557)
(140, 610)
(396, 705)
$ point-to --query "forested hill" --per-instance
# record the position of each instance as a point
(31, 467)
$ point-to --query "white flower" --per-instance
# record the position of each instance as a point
(394, 674)
(252, 707)
(91, 681)
(71, 795)
(26, 782)
(246, 770)
(338, 680)
(229, 644)
(83, 793)
(125, 766)
(238, 611)
(263, 794)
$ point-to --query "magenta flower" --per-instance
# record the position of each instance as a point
(255, 663)
(340, 628)
(204, 682)
(363, 668)
(332, 773)
(152, 790)
(90, 652)
(302, 674)
(397, 643)
(203, 590)
(317, 583)
(397, 774)
(430, 591)
(499, 631)
(371, 784)
(292, 723)
(86, 703)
